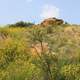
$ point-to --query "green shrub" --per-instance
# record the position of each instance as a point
(71, 72)
(21, 24)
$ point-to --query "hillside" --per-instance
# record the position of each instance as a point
(48, 51)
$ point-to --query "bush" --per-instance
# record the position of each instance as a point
(49, 29)
(21, 24)
(71, 72)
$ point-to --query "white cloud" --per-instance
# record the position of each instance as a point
(49, 11)
(29, 1)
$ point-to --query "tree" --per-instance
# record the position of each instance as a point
(21, 24)
(45, 58)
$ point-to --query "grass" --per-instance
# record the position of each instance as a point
(17, 61)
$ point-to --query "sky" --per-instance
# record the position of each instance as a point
(35, 11)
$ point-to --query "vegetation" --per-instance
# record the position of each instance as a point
(40, 53)
(21, 24)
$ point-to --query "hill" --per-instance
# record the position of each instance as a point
(40, 53)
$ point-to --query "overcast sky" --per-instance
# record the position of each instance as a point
(12, 11)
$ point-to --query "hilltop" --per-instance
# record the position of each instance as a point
(52, 21)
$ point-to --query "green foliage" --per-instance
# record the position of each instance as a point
(21, 24)
(71, 72)
(49, 29)
(40, 53)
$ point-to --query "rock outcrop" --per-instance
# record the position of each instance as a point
(52, 21)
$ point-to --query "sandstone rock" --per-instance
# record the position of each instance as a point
(52, 21)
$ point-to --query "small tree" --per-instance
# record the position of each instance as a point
(45, 58)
